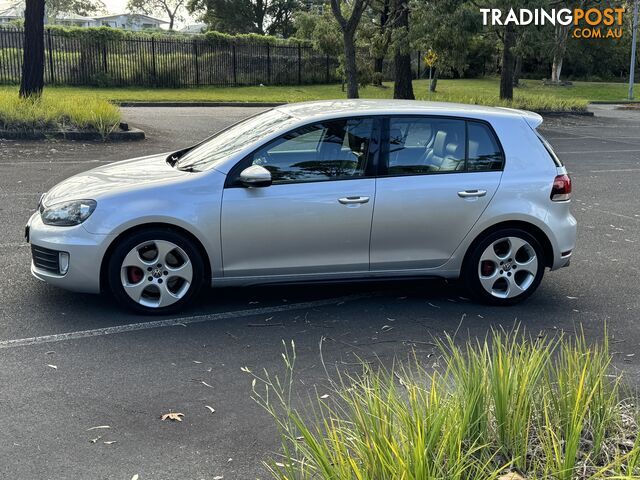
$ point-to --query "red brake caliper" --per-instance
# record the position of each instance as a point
(487, 268)
(134, 274)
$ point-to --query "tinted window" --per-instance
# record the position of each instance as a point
(324, 151)
(484, 152)
(425, 145)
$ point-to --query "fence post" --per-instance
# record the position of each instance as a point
(195, 59)
(104, 56)
(299, 64)
(50, 48)
(268, 64)
(327, 69)
(153, 61)
(235, 73)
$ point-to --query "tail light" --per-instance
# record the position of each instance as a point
(561, 189)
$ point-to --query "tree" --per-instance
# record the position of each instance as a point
(170, 8)
(348, 26)
(264, 17)
(32, 81)
(448, 27)
(80, 7)
(403, 77)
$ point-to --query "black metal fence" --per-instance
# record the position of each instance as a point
(166, 62)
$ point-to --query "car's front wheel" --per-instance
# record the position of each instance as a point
(505, 267)
(155, 271)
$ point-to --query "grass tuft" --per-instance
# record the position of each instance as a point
(545, 408)
(57, 112)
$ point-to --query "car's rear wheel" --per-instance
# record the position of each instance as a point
(505, 267)
(155, 271)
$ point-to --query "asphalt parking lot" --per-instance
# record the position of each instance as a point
(109, 373)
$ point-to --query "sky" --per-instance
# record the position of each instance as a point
(116, 6)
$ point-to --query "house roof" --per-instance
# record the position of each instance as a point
(73, 16)
(193, 28)
(12, 10)
(140, 15)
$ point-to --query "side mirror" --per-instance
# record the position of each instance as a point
(255, 176)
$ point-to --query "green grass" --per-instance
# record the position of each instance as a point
(57, 111)
(531, 95)
(546, 408)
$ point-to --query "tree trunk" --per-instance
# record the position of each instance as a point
(560, 47)
(434, 80)
(403, 86)
(32, 81)
(378, 66)
(350, 66)
(171, 19)
(518, 71)
(506, 76)
(378, 63)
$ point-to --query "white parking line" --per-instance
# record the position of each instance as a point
(172, 322)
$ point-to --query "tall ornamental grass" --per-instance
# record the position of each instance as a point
(539, 407)
(57, 112)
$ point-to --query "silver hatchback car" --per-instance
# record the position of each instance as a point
(319, 191)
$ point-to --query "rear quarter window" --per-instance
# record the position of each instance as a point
(549, 150)
(484, 153)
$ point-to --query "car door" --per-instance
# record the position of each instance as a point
(315, 218)
(437, 177)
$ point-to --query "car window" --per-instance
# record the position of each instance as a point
(484, 152)
(323, 151)
(425, 145)
(549, 149)
(305, 142)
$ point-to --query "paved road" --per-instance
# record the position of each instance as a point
(127, 379)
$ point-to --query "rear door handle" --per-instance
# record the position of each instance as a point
(352, 200)
(472, 193)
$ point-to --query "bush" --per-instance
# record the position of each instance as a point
(546, 408)
(57, 112)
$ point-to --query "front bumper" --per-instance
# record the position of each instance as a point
(85, 250)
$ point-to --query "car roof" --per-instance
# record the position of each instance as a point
(331, 108)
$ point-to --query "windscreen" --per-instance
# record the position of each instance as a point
(230, 141)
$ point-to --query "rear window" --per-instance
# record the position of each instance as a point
(549, 150)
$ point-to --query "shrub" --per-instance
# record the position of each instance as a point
(546, 408)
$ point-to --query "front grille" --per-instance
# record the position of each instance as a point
(45, 259)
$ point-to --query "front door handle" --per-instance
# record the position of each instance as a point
(352, 200)
(472, 193)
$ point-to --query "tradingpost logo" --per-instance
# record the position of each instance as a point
(586, 23)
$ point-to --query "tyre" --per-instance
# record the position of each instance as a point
(155, 271)
(505, 267)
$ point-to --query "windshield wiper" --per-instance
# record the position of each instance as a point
(188, 168)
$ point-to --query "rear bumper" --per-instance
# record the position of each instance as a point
(85, 252)
(563, 232)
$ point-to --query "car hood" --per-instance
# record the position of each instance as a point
(115, 177)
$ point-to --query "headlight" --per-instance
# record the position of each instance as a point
(66, 214)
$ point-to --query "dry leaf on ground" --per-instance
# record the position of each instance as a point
(173, 416)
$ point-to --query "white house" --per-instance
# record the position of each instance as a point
(130, 21)
(73, 20)
(10, 12)
(193, 28)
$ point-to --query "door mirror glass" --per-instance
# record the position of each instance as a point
(255, 176)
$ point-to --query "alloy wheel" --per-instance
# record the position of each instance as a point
(508, 267)
(156, 273)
